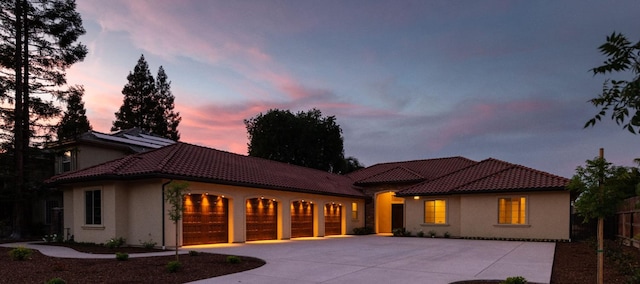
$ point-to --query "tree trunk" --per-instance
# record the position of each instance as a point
(18, 127)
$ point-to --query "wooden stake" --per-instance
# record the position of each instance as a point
(601, 235)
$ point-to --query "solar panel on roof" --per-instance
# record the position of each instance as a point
(125, 140)
(162, 142)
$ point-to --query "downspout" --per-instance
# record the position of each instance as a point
(163, 229)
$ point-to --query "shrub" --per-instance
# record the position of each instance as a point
(515, 280)
(401, 232)
(115, 242)
(52, 238)
(233, 259)
(20, 253)
(174, 266)
(193, 253)
(420, 234)
(122, 256)
(56, 281)
(362, 231)
(148, 244)
(432, 233)
(447, 235)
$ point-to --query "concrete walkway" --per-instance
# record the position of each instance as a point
(369, 259)
(65, 252)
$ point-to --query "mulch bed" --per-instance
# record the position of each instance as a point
(40, 268)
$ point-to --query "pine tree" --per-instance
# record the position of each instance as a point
(38, 42)
(74, 122)
(139, 104)
(166, 120)
(148, 104)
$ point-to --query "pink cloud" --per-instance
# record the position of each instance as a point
(486, 118)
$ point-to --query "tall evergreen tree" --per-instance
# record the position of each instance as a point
(166, 120)
(139, 102)
(148, 104)
(38, 42)
(74, 122)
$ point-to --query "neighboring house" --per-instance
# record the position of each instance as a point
(86, 150)
(236, 198)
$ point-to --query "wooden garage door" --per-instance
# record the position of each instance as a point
(332, 219)
(205, 219)
(262, 219)
(301, 219)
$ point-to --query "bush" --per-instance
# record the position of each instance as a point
(420, 234)
(432, 233)
(447, 235)
(401, 232)
(362, 231)
(115, 242)
(193, 253)
(174, 266)
(56, 281)
(515, 280)
(148, 244)
(20, 253)
(122, 256)
(233, 259)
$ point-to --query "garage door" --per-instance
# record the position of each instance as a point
(262, 219)
(301, 219)
(332, 219)
(205, 219)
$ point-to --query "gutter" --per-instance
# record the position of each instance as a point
(163, 223)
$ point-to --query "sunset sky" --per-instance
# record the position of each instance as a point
(406, 80)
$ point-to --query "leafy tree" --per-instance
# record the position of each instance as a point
(351, 164)
(306, 139)
(621, 97)
(138, 105)
(38, 42)
(148, 104)
(602, 187)
(174, 195)
(165, 120)
(74, 122)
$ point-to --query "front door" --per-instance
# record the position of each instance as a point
(397, 216)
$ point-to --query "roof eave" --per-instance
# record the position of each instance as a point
(514, 190)
(194, 179)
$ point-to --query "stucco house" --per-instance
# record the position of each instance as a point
(236, 198)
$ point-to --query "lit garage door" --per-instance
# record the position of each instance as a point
(332, 219)
(262, 219)
(301, 219)
(205, 219)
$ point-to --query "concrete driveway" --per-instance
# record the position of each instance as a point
(381, 259)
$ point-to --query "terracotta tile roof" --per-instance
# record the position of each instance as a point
(196, 163)
(490, 175)
(397, 175)
(425, 169)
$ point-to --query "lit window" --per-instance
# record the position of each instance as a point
(354, 210)
(512, 210)
(435, 211)
(66, 161)
(93, 208)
